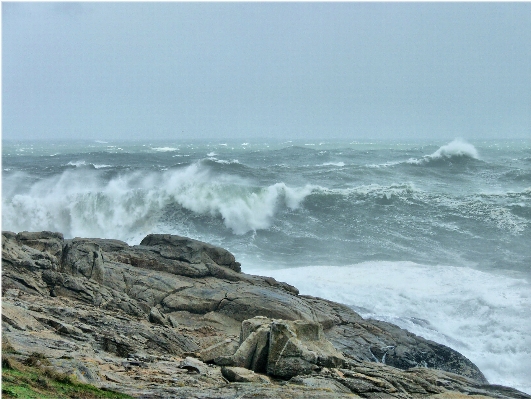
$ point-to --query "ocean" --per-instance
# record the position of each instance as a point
(432, 236)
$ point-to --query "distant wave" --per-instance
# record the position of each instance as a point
(340, 164)
(82, 163)
(77, 163)
(223, 161)
(481, 207)
(165, 149)
(455, 150)
(370, 190)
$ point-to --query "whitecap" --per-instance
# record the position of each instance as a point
(225, 162)
(458, 148)
(164, 149)
(77, 163)
(340, 164)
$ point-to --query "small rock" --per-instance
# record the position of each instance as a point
(240, 374)
(193, 365)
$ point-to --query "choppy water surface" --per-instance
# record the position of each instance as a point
(431, 236)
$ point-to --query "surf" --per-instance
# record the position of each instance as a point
(82, 202)
(482, 315)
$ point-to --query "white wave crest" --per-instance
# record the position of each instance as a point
(80, 202)
(454, 149)
(458, 148)
(223, 161)
(340, 164)
(165, 149)
(77, 163)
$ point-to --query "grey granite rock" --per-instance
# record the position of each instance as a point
(298, 348)
(92, 304)
(240, 374)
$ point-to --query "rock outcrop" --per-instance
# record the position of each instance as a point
(282, 348)
(176, 318)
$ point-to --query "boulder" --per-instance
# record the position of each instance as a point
(299, 347)
(193, 365)
(83, 258)
(283, 348)
(219, 350)
(190, 251)
(253, 350)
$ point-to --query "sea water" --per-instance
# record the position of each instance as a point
(432, 236)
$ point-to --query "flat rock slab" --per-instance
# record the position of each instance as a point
(240, 374)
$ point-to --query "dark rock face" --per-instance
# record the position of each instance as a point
(191, 251)
(93, 305)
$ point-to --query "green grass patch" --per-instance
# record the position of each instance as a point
(32, 380)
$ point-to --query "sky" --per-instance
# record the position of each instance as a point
(266, 70)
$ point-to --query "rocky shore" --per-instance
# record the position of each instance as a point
(176, 318)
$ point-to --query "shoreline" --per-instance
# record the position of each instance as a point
(173, 300)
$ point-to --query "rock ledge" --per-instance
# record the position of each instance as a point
(176, 318)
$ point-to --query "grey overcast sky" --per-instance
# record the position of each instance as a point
(256, 70)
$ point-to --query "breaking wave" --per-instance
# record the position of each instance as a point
(81, 202)
(454, 151)
(82, 163)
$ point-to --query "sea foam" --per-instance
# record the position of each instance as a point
(486, 317)
(457, 148)
(81, 202)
